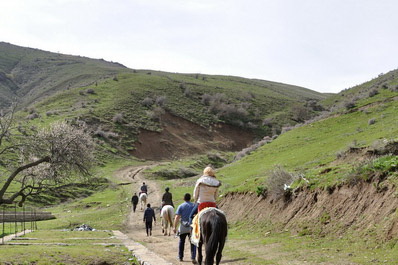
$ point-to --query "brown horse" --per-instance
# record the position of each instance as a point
(213, 233)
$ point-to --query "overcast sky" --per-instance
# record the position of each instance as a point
(323, 45)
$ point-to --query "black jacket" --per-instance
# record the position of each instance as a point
(134, 199)
(149, 214)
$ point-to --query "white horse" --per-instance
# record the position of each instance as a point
(167, 217)
(143, 198)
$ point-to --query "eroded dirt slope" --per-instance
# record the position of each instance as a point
(361, 207)
(180, 137)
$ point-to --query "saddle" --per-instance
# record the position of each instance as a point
(195, 235)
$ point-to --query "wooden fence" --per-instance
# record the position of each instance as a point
(18, 219)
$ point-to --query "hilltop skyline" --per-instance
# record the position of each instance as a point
(326, 47)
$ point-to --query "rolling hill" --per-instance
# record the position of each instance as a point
(150, 114)
(325, 180)
(30, 74)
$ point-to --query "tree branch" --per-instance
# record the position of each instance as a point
(19, 170)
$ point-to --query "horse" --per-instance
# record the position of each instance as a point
(167, 217)
(143, 197)
(213, 233)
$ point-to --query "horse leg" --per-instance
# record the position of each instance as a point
(219, 252)
(209, 255)
(200, 255)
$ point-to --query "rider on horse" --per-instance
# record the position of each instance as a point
(167, 198)
(144, 188)
(206, 189)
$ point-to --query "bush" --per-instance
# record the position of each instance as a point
(261, 191)
(155, 114)
(118, 118)
(279, 181)
(175, 173)
(147, 102)
(349, 105)
(206, 99)
(33, 116)
(90, 91)
(161, 101)
(51, 113)
(373, 93)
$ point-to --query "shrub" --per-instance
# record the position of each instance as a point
(147, 102)
(279, 181)
(51, 113)
(161, 101)
(90, 91)
(206, 99)
(187, 92)
(118, 118)
(156, 113)
(261, 191)
(106, 135)
(175, 173)
(267, 122)
(33, 116)
(373, 93)
(349, 105)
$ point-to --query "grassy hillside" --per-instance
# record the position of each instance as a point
(349, 98)
(316, 150)
(31, 74)
(118, 109)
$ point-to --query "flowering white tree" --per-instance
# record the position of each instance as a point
(30, 162)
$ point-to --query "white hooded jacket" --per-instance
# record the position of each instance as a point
(206, 189)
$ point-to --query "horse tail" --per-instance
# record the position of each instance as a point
(215, 242)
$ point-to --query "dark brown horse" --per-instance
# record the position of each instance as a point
(213, 233)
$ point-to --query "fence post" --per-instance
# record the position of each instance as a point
(15, 221)
(23, 220)
(4, 232)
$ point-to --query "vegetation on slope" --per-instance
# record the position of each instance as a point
(31, 74)
(313, 150)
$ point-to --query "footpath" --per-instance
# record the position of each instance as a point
(140, 252)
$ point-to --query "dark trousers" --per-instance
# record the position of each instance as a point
(181, 246)
(148, 227)
(134, 207)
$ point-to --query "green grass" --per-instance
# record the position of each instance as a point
(105, 209)
(262, 245)
(313, 147)
(66, 247)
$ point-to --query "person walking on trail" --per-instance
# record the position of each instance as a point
(206, 189)
(167, 198)
(134, 201)
(144, 188)
(149, 216)
(184, 229)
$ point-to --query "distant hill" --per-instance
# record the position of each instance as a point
(31, 74)
(124, 106)
(348, 98)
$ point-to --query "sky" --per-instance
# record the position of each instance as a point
(323, 45)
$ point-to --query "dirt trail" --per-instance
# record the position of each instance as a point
(165, 247)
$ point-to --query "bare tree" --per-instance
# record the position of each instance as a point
(32, 162)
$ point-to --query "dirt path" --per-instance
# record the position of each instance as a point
(164, 246)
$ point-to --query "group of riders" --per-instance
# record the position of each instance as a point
(204, 195)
